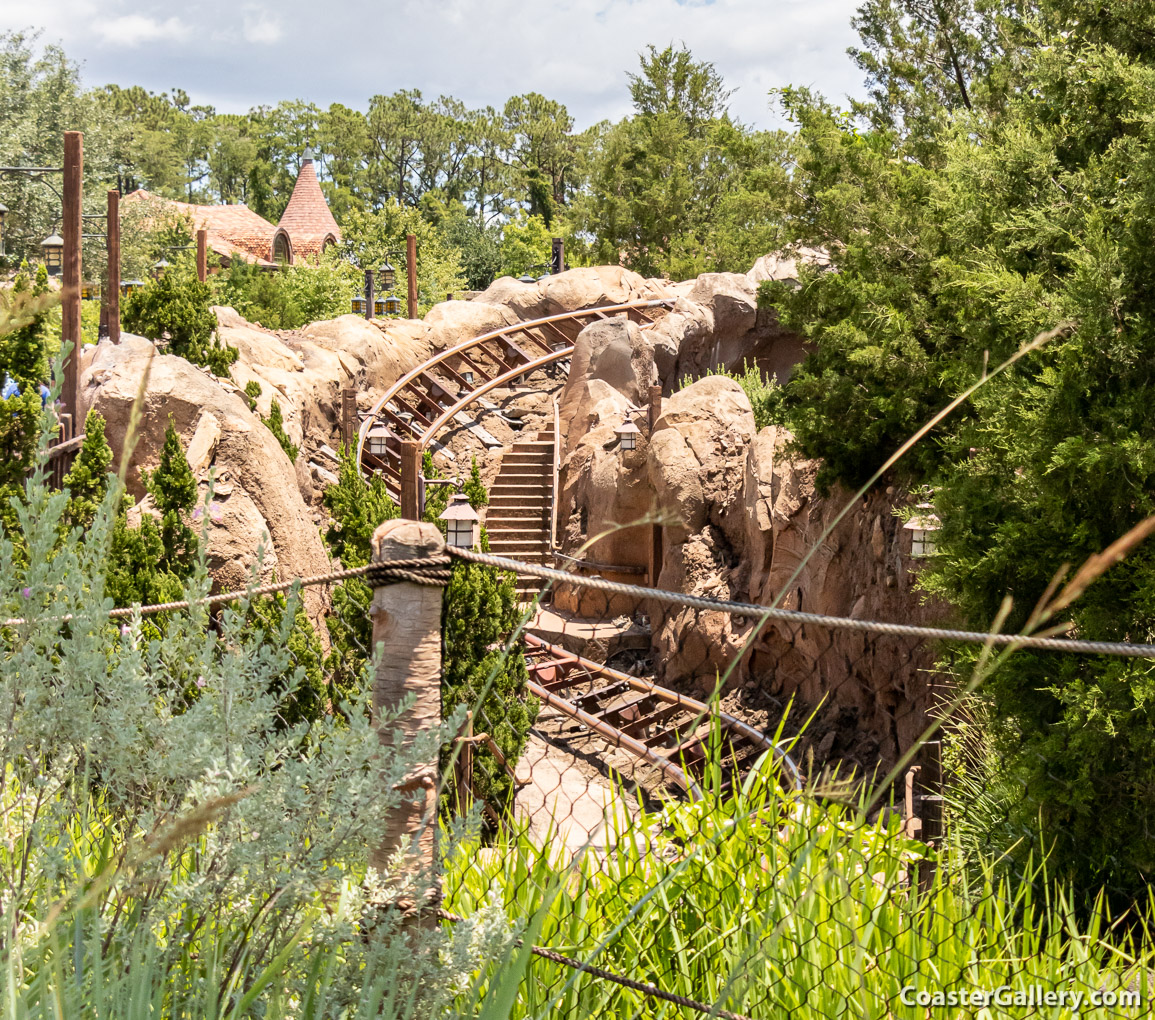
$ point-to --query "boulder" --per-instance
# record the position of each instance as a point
(588, 287)
(453, 322)
(256, 506)
(614, 352)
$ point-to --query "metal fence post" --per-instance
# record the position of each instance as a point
(407, 632)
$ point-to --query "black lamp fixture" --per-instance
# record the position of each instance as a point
(387, 275)
(159, 267)
(359, 305)
(129, 286)
(53, 248)
(526, 278)
(392, 305)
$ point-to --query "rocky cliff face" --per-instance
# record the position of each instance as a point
(719, 510)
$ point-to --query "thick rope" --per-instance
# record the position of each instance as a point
(434, 571)
(638, 986)
(791, 616)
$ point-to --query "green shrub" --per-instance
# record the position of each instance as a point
(760, 391)
(276, 425)
(176, 307)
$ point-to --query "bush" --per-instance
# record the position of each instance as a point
(276, 425)
(761, 392)
(176, 307)
(160, 842)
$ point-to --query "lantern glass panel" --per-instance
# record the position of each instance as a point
(460, 534)
(629, 440)
(53, 248)
(393, 305)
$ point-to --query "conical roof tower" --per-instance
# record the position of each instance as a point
(307, 221)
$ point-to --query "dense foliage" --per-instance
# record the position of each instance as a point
(678, 187)
(176, 308)
(976, 207)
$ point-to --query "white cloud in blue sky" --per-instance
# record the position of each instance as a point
(236, 55)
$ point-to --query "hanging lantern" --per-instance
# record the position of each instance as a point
(463, 526)
(628, 434)
(378, 439)
(89, 291)
(53, 248)
(468, 377)
(526, 278)
(358, 305)
(392, 305)
(544, 276)
(379, 307)
(387, 276)
(130, 286)
(159, 267)
(923, 527)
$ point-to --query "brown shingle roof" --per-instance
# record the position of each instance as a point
(232, 229)
(307, 219)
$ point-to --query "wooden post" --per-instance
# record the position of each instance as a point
(464, 766)
(655, 405)
(70, 296)
(369, 296)
(112, 287)
(349, 417)
(411, 271)
(557, 257)
(410, 479)
(202, 255)
(407, 637)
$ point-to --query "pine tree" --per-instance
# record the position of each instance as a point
(176, 308)
(174, 492)
(87, 482)
(276, 424)
(474, 489)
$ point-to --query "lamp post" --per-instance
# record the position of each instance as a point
(53, 248)
(463, 526)
(3, 213)
(923, 527)
(628, 434)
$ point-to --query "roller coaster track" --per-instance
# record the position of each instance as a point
(660, 727)
(422, 402)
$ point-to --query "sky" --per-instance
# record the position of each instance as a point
(234, 54)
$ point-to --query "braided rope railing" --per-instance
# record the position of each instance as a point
(436, 571)
(756, 611)
(428, 570)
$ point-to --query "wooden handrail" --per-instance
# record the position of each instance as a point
(521, 327)
(556, 464)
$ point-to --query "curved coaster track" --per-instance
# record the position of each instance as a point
(660, 727)
(424, 401)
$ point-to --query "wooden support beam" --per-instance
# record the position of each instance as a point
(411, 271)
(410, 479)
(70, 296)
(202, 255)
(349, 420)
(112, 285)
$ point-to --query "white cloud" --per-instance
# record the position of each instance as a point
(132, 30)
(261, 27)
(243, 53)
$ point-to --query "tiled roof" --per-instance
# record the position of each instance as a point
(307, 219)
(232, 229)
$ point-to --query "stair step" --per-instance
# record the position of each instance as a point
(518, 506)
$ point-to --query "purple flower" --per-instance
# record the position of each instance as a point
(125, 630)
(27, 593)
(215, 511)
(198, 513)
(200, 681)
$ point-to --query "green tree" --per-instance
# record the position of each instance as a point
(276, 423)
(176, 307)
(88, 480)
(954, 241)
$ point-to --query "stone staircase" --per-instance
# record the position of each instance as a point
(517, 519)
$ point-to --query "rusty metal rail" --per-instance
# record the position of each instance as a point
(422, 402)
(665, 729)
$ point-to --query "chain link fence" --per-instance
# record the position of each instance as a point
(696, 807)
